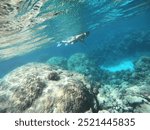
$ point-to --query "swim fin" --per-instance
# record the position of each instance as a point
(59, 44)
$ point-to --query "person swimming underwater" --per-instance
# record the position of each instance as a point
(74, 39)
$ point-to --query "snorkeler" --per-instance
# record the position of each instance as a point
(74, 39)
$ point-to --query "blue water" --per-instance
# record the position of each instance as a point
(113, 25)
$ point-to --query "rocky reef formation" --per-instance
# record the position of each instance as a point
(75, 64)
(127, 92)
(142, 70)
(124, 91)
(78, 62)
(81, 63)
(124, 98)
(37, 87)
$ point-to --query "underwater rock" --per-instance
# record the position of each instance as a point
(53, 76)
(134, 100)
(116, 78)
(143, 64)
(124, 98)
(110, 99)
(59, 61)
(137, 95)
(144, 108)
(72, 97)
(79, 62)
(142, 71)
(38, 87)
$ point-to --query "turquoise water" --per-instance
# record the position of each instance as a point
(96, 50)
(125, 65)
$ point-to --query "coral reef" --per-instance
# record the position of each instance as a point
(142, 70)
(58, 61)
(130, 92)
(124, 98)
(80, 63)
(37, 87)
(140, 74)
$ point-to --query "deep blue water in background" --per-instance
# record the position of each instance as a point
(98, 37)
